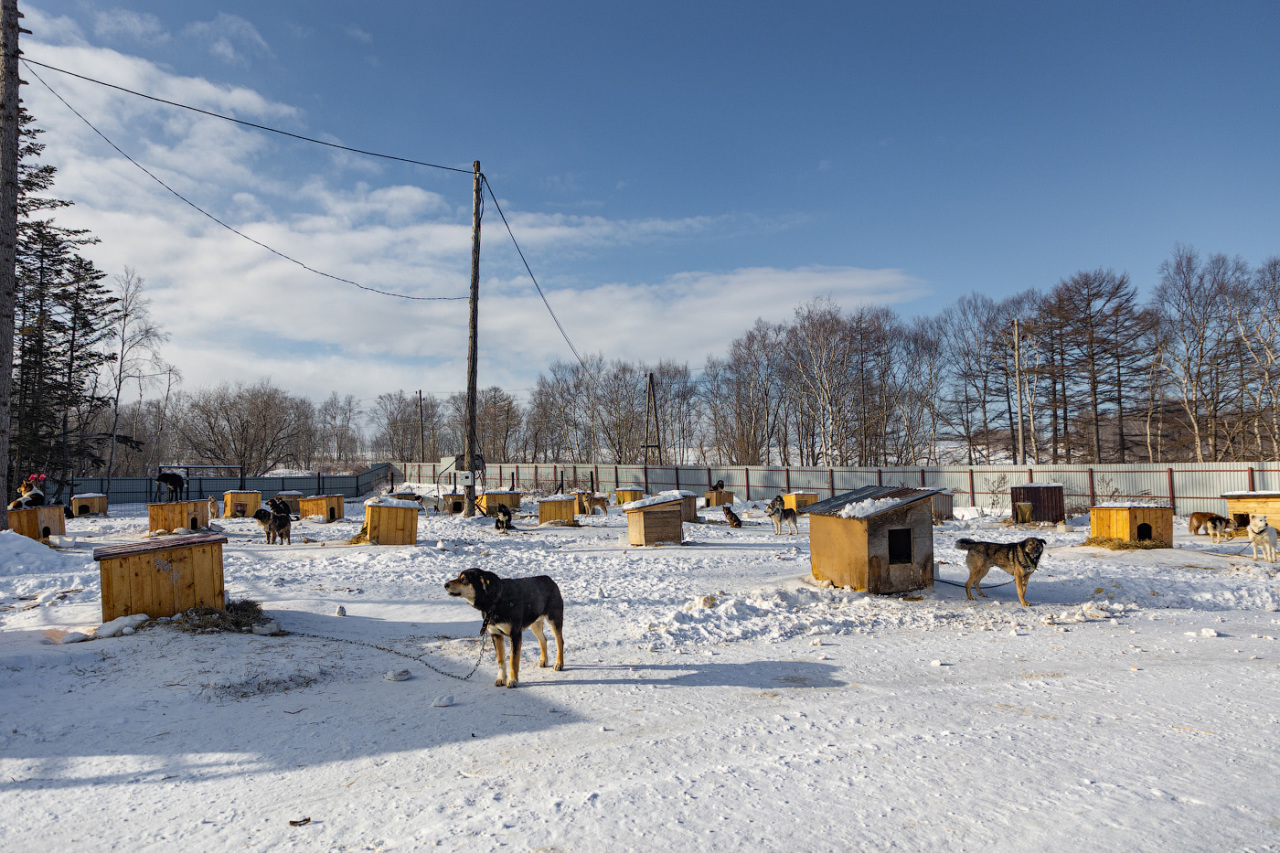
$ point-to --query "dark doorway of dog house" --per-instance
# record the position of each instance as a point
(333, 514)
(84, 509)
(900, 545)
(239, 509)
(45, 532)
(1144, 532)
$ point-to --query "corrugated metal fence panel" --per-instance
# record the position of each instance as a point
(125, 490)
(1197, 487)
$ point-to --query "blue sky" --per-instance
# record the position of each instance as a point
(672, 170)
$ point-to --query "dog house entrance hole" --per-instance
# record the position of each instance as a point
(1241, 519)
(333, 514)
(84, 509)
(1144, 532)
(239, 509)
(900, 545)
(455, 507)
(45, 532)
(194, 524)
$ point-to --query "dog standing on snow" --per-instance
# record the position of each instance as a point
(783, 515)
(1261, 533)
(511, 605)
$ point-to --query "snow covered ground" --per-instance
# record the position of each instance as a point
(713, 699)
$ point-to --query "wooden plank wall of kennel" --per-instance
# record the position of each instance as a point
(718, 498)
(1127, 523)
(175, 515)
(161, 578)
(626, 496)
(656, 524)
(855, 552)
(1047, 502)
(392, 525)
(799, 500)
(38, 522)
(328, 507)
(557, 509)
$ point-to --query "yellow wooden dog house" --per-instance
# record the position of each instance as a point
(877, 539)
(89, 503)
(161, 578)
(655, 520)
(177, 515)
(240, 504)
(389, 521)
(717, 498)
(1242, 506)
(328, 507)
(799, 500)
(1132, 522)
(557, 509)
(626, 496)
(38, 522)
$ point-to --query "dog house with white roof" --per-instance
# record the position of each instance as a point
(877, 539)
(557, 509)
(1242, 506)
(389, 521)
(1132, 522)
(657, 519)
(240, 504)
(89, 503)
(328, 507)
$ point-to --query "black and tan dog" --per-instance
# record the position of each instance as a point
(1019, 559)
(281, 521)
(510, 605)
(731, 517)
(718, 487)
(503, 521)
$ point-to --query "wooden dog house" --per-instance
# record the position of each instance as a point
(389, 521)
(943, 506)
(656, 520)
(38, 522)
(1132, 523)
(452, 503)
(1046, 500)
(626, 496)
(177, 515)
(877, 539)
(714, 498)
(161, 578)
(291, 498)
(240, 504)
(799, 500)
(559, 509)
(328, 507)
(1242, 506)
(89, 503)
(489, 501)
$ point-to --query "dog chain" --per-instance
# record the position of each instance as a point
(419, 659)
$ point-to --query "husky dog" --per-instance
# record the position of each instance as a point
(1261, 533)
(783, 515)
(503, 522)
(30, 493)
(731, 516)
(213, 507)
(1019, 559)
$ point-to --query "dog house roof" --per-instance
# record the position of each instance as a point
(886, 498)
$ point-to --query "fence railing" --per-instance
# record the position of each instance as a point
(125, 490)
(1188, 487)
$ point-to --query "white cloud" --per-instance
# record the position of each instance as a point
(358, 34)
(122, 24)
(230, 38)
(238, 312)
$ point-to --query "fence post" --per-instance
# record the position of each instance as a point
(831, 479)
(1173, 504)
(646, 478)
(788, 479)
(676, 468)
(746, 473)
(879, 478)
(973, 495)
(1093, 495)
(1251, 488)
(922, 478)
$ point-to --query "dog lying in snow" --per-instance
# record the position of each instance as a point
(510, 606)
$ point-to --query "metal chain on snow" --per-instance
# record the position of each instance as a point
(419, 659)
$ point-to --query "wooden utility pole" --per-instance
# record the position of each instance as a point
(469, 443)
(1017, 378)
(9, 30)
(422, 432)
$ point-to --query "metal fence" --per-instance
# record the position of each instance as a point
(133, 490)
(1188, 487)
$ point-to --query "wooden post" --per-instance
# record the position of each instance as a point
(831, 479)
(9, 30)
(746, 473)
(1172, 501)
(1251, 488)
(469, 443)
(973, 496)
(1093, 495)
(788, 480)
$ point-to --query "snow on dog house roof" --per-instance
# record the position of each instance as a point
(874, 500)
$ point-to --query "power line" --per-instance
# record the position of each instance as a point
(230, 228)
(267, 128)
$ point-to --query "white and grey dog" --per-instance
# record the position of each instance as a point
(782, 515)
(1261, 533)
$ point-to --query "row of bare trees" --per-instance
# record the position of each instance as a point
(1083, 372)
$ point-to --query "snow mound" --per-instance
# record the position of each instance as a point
(20, 555)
